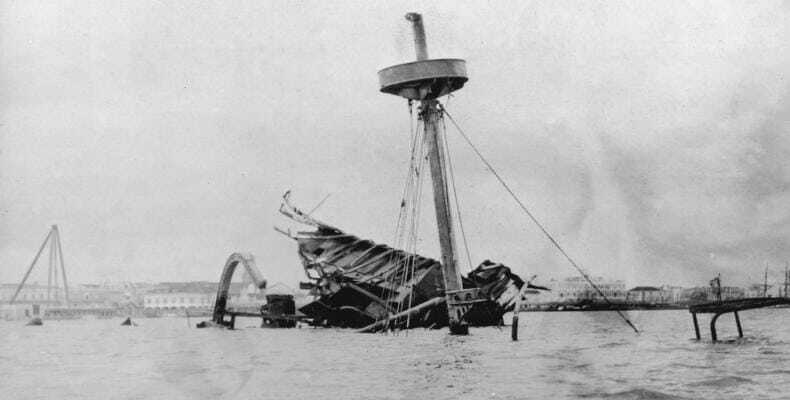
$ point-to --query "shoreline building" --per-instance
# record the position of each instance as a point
(702, 294)
(759, 290)
(35, 299)
(577, 291)
(170, 297)
(32, 300)
(647, 295)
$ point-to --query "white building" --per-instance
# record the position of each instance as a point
(187, 295)
(180, 295)
(178, 300)
(647, 295)
(577, 289)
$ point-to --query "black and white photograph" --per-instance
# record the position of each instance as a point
(394, 200)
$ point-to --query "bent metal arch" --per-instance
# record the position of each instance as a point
(248, 261)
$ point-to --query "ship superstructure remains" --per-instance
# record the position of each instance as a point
(358, 283)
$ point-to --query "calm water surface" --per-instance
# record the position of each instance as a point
(570, 355)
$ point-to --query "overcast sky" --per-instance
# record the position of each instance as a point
(653, 138)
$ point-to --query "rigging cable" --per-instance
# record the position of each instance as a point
(411, 248)
(402, 273)
(411, 266)
(532, 217)
(455, 193)
(401, 220)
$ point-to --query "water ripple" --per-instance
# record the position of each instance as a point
(561, 356)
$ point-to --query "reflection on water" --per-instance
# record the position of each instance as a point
(586, 355)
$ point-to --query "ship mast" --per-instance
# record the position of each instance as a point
(425, 80)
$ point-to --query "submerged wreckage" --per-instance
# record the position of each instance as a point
(369, 286)
(361, 284)
(357, 283)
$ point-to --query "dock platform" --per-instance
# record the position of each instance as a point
(717, 308)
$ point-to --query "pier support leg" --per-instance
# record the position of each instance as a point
(516, 309)
(514, 328)
(713, 327)
(738, 324)
(696, 325)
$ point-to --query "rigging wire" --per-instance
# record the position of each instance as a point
(411, 245)
(535, 220)
(411, 266)
(402, 273)
(389, 282)
(455, 193)
(320, 203)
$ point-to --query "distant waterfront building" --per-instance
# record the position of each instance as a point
(180, 295)
(673, 294)
(30, 293)
(179, 300)
(703, 294)
(577, 289)
(31, 301)
(37, 299)
(171, 296)
(647, 295)
(759, 290)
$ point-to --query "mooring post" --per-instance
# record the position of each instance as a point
(514, 328)
(514, 324)
(738, 324)
(696, 325)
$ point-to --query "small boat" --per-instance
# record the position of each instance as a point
(35, 321)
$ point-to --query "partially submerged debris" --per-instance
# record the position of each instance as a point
(358, 283)
(278, 312)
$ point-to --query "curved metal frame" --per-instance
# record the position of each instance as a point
(248, 261)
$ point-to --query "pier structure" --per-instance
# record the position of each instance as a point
(717, 308)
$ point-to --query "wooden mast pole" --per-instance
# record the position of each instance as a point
(431, 117)
(765, 281)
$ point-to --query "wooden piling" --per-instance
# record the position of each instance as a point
(514, 327)
(713, 327)
(516, 309)
(738, 324)
(696, 325)
(718, 308)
